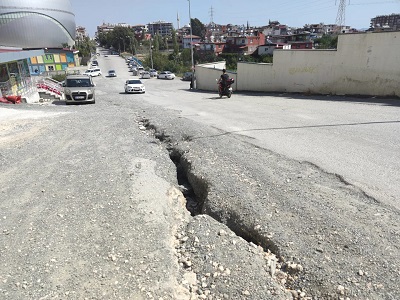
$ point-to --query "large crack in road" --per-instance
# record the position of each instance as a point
(325, 233)
(195, 190)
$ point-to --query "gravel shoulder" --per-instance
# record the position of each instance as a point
(89, 208)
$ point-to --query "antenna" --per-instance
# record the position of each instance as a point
(211, 15)
(341, 15)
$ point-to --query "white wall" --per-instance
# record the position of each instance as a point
(364, 64)
(207, 74)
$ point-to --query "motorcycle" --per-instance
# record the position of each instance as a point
(227, 89)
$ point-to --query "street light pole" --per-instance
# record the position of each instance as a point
(151, 54)
(191, 47)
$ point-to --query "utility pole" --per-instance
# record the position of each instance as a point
(191, 49)
(151, 53)
(212, 15)
(341, 16)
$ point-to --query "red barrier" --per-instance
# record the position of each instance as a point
(11, 99)
(4, 100)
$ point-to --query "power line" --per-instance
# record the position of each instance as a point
(374, 3)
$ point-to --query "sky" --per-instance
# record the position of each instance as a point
(294, 13)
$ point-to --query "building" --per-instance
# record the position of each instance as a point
(36, 23)
(81, 33)
(215, 47)
(244, 44)
(15, 77)
(387, 22)
(186, 40)
(268, 48)
(161, 28)
(33, 36)
(107, 27)
(53, 59)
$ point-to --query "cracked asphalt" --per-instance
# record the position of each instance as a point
(91, 207)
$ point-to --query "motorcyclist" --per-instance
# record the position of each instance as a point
(223, 79)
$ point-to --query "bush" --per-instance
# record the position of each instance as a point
(59, 77)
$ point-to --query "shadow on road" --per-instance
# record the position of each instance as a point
(390, 101)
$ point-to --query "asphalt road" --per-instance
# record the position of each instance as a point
(356, 138)
(297, 195)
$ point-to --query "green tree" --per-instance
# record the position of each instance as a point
(104, 39)
(156, 43)
(186, 58)
(327, 41)
(85, 47)
(267, 59)
(120, 38)
(198, 28)
(231, 60)
(175, 42)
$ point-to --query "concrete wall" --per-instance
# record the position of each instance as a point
(363, 64)
(206, 75)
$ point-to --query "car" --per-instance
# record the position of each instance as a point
(112, 73)
(145, 75)
(187, 76)
(79, 89)
(134, 86)
(166, 75)
(153, 73)
(95, 63)
(93, 72)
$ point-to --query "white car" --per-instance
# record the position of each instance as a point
(153, 73)
(93, 72)
(166, 75)
(134, 86)
(145, 75)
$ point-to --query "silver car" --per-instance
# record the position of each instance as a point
(79, 89)
(112, 73)
(153, 73)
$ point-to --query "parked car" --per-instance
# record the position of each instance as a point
(134, 86)
(79, 89)
(166, 75)
(187, 76)
(93, 72)
(145, 75)
(153, 73)
(112, 73)
(95, 63)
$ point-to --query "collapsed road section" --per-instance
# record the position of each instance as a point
(325, 232)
